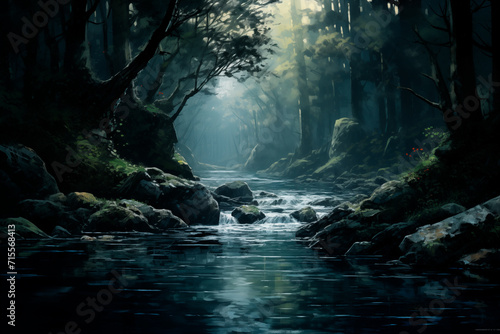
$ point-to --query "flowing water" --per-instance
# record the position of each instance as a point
(236, 278)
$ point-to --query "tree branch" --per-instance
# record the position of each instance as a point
(429, 102)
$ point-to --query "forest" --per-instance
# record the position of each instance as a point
(250, 166)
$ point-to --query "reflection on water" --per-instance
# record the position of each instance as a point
(239, 279)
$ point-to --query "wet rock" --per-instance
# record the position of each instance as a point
(161, 219)
(164, 220)
(267, 194)
(189, 200)
(358, 198)
(338, 237)
(237, 190)
(311, 229)
(493, 205)
(386, 242)
(24, 229)
(247, 214)
(359, 248)
(483, 258)
(117, 219)
(306, 215)
(60, 232)
(327, 202)
(450, 239)
(23, 175)
(230, 203)
(278, 201)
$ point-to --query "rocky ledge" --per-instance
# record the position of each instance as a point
(451, 235)
(148, 200)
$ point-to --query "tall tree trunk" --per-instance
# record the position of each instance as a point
(30, 69)
(51, 43)
(495, 43)
(304, 104)
(392, 122)
(5, 47)
(121, 31)
(75, 37)
(409, 16)
(462, 61)
(355, 65)
(105, 38)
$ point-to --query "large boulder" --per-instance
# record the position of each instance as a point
(385, 242)
(261, 157)
(346, 133)
(237, 190)
(73, 221)
(388, 194)
(24, 229)
(311, 229)
(44, 213)
(189, 200)
(161, 219)
(23, 175)
(115, 218)
(247, 214)
(81, 200)
(454, 237)
(489, 258)
(305, 215)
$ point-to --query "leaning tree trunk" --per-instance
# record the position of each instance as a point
(108, 91)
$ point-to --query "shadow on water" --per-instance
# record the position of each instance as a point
(239, 279)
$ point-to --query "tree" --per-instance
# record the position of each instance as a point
(460, 116)
(73, 80)
(305, 146)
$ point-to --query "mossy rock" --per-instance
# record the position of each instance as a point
(236, 190)
(23, 227)
(247, 214)
(117, 219)
(306, 215)
(81, 200)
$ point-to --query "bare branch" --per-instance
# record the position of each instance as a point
(429, 102)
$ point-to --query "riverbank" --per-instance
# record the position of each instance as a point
(246, 277)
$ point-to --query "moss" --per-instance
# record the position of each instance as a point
(333, 162)
(23, 227)
(81, 199)
(97, 170)
(251, 209)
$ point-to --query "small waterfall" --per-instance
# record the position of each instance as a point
(227, 219)
(278, 219)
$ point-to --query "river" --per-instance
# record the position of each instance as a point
(236, 278)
